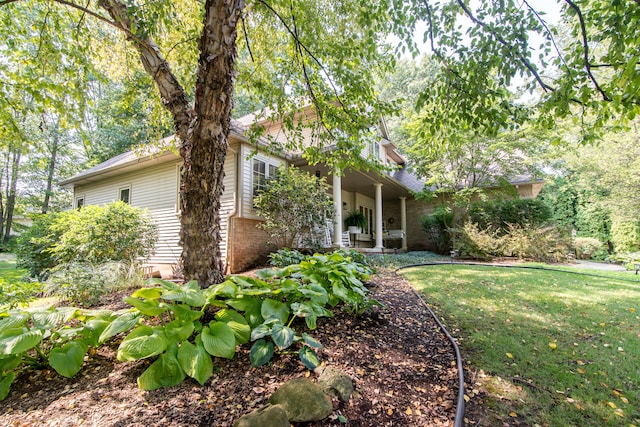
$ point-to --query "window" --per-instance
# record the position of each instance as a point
(79, 202)
(262, 172)
(125, 194)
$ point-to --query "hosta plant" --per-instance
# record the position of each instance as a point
(55, 337)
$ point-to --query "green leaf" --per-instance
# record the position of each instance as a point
(260, 331)
(164, 372)
(219, 340)
(14, 321)
(183, 312)
(92, 330)
(309, 358)
(274, 309)
(147, 307)
(251, 308)
(147, 293)
(5, 384)
(178, 331)
(237, 323)
(8, 363)
(226, 288)
(50, 318)
(282, 335)
(68, 360)
(16, 341)
(311, 340)
(189, 293)
(141, 343)
(261, 353)
(123, 323)
(195, 361)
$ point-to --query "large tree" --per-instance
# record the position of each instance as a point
(326, 53)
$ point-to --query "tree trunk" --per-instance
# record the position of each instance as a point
(11, 195)
(204, 153)
(203, 131)
(51, 168)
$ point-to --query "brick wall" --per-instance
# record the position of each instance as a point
(248, 245)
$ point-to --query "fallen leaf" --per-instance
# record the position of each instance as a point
(553, 345)
(624, 399)
(619, 412)
(613, 405)
(510, 356)
(389, 411)
(408, 411)
(513, 414)
(581, 370)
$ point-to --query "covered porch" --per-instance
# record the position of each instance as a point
(379, 197)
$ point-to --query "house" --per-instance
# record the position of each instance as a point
(151, 181)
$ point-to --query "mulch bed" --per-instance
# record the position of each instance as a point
(402, 366)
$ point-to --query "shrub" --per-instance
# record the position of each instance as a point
(625, 235)
(588, 247)
(93, 234)
(436, 225)
(627, 259)
(294, 206)
(18, 292)
(547, 243)
(473, 243)
(498, 214)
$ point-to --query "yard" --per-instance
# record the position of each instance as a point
(543, 347)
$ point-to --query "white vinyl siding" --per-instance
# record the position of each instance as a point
(247, 158)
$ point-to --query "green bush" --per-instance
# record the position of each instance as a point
(627, 259)
(625, 235)
(436, 225)
(93, 234)
(18, 292)
(499, 214)
(588, 248)
(472, 243)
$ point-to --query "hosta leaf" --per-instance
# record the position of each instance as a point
(226, 288)
(13, 321)
(261, 353)
(309, 358)
(237, 323)
(50, 318)
(148, 293)
(195, 362)
(274, 309)
(251, 308)
(218, 339)
(282, 336)
(260, 332)
(146, 307)
(164, 372)
(122, 323)
(92, 330)
(16, 341)
(8, 363)
(183, 312)
(5, 384)
(311, 340)
(315, 293)
(189, 293)
(178, 331)
(67, 360)
(141, 343)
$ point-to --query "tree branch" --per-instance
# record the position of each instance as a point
(546, 27)
(585, 48)
(173, 95)
(528, 65)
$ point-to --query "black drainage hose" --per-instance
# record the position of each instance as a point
(459, 420)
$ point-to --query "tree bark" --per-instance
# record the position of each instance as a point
(11, 195)
(203, 131)
(51, 167)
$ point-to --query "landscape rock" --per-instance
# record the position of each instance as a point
(267, 416)
(335, 383)
(302, 400)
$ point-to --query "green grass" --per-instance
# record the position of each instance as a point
(550, 348)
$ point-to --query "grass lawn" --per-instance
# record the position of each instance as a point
(8, 270)
(550, 348)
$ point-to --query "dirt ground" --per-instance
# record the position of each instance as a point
(402, 366)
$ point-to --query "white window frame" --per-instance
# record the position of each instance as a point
(78, 198)
(125, 188)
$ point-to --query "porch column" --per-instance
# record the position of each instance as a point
(337, 206)
(403, 221)
(379, 244)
